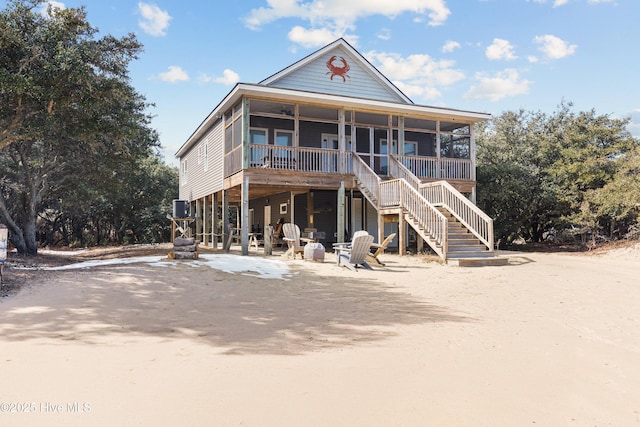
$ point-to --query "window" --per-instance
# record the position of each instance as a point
(284, 138)
(410, 148)
(183, 168)
(206, 156)
(258, 137)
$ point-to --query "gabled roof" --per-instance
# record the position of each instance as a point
(337, 69)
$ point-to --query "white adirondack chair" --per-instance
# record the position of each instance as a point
(292, 237)
(355, 254)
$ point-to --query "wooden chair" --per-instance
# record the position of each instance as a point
(356, 254)
(275, 237)
(292, 237)
(379, 249)
(337, 246)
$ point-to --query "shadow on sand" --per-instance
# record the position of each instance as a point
(238, 314)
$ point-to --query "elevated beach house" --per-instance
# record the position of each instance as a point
(330, 144)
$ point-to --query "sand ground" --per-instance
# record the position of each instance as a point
(548, 340)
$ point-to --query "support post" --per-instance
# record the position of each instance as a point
(199, 225)
(341, 213)
(214, 220)
(244, 221)
(402, 235)
(268, 232)
(226, 238)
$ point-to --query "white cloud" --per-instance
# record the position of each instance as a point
(312, 38)
(415, 67)
(384, 34)
(503, 84)
(338, 16)
(554, 47)
(418, 91)
(533, 59)
(55, 5)
(558, 3)
(229, 77)
(175, 74)
(450, 46)
(416, 75)
(155, 21)
(500, 49)
(634, 125)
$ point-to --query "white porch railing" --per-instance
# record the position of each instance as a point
(299, 159)
(442, 193)
(438, 167)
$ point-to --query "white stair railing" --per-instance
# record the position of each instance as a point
(368, 180)
(400, 171)
(442, 193)
(431, 223)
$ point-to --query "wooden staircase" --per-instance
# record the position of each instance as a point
(440, 215)
(464, 249)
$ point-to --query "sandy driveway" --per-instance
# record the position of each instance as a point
(549, 340)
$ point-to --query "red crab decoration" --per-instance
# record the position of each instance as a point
(335, 70)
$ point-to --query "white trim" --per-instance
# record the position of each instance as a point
(415, 144)
(266, 134)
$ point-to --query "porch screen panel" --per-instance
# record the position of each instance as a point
(426, 143)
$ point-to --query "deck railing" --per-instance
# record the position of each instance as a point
(438, 167)
(318, 160)
(299, 159)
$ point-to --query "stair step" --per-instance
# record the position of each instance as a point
(478, 261)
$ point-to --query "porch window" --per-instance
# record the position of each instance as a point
(284, 138)
(258, 137)
(410, 148)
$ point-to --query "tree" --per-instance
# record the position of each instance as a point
(617, 203)
(539, 172)
(67, 110)
(588, 151)
(511, 176)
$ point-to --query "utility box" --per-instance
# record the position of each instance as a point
(180, 209)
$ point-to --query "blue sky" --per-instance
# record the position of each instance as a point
(479, 55)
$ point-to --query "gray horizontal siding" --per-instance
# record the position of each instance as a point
(201, 182)
(316, 77)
